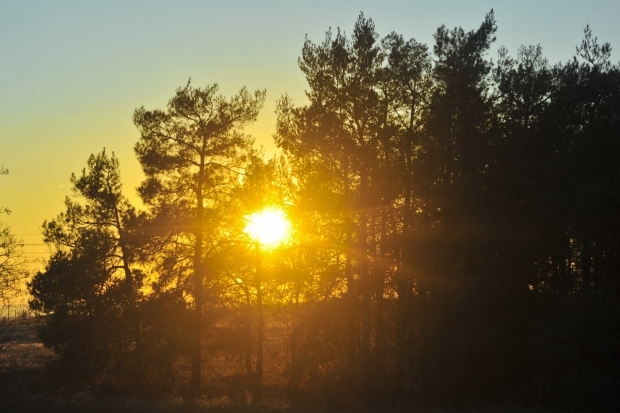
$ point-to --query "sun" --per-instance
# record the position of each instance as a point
(269, 227)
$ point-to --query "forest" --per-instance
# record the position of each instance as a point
(450, 236)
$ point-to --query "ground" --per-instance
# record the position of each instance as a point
(23, 387)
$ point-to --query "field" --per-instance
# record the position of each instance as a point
(25, 387)
(24, 382)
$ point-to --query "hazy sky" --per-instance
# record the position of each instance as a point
(72, 72)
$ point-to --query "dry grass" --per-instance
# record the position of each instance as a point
(21, 349)
(24, 388)
(24, 383)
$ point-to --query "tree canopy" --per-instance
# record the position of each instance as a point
(454, 235)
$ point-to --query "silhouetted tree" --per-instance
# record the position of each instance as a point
(12, 265)
(189, 154)
(339, 129)
(89, 287)
(12, 261)
(455, 232)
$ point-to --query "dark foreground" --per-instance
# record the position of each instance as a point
(26, 386)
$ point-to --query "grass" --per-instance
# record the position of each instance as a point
(24, 389)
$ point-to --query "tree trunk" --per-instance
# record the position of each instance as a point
(294, 374)
(132, 308)
(401, 331)
(380, 285)
(365, 292)
(198, 299)
(261, 328)
(350, 295)
(247, 330)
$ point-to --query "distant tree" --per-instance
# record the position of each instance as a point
(12, 265)
(12, 262)
(4, 171)
(191, 153)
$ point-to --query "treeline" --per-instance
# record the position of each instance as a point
(456, 235)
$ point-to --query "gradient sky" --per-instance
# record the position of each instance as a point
(72, 72)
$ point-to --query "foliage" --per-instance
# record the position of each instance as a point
(98, 320)
(191, 155)
(455, 234)
(12, 266)
(13, 270)
(461, 190)
(4, 171)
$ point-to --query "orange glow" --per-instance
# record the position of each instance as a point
(269, 227)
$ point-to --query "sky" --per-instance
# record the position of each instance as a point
(73, 72)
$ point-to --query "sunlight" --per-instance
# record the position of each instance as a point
(269, 227)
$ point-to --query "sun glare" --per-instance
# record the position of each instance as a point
(269, 227)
